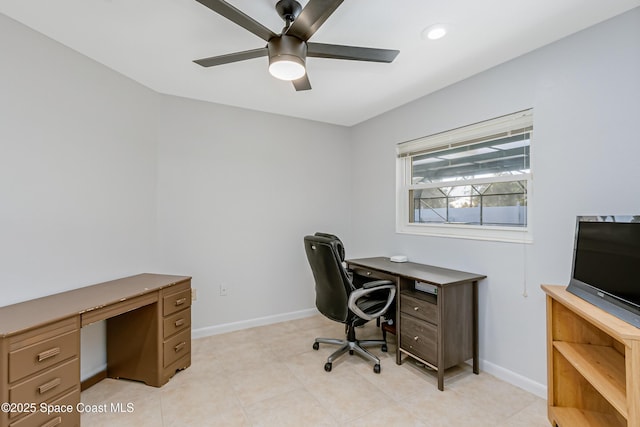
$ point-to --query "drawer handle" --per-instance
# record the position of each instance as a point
(49, 386)
(368, 273)
(54, 422)
(416, 338)
(179, 323)
(180, 301)
(48, 354)
(180, 346)
(416, 308)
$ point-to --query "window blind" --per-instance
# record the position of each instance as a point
(500, 127)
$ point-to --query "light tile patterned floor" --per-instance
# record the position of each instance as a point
(270, 376)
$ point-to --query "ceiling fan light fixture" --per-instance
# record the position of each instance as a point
(287, 68)
(287, 57)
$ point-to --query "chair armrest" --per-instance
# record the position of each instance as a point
(368, 288)
(375, 283)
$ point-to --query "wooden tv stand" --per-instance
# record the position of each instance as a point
(593, 364)
(148, 339)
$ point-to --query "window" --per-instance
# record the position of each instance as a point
(471, 182)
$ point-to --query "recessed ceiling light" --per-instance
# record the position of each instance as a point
(434, 32)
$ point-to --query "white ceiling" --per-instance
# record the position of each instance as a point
(154, 42)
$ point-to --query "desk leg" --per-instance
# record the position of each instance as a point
(476, 367)
(399, 288)
(444, 296)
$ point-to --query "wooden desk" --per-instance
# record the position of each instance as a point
(148, 339)
(441, 329)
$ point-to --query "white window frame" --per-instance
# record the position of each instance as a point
(501, 126)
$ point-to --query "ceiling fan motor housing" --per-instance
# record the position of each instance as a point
(287, 48)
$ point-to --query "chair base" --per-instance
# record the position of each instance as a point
(353, 346)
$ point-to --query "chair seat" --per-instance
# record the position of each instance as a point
(371, 305)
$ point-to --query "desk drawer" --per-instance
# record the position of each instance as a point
(177, 322)
(423, 310)
(373, 274)
(419, 338)
(62, 419)
(176, 347)
(47, 384)
(31, 359)
(176, 301)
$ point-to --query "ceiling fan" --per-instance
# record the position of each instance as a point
(288, 50)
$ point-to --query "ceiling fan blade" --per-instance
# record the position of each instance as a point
(302, 83)
(353, 53)
(235, 15)
(232, 57)
(312, 17)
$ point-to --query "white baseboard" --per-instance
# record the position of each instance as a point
(251, 323)
(511, 377)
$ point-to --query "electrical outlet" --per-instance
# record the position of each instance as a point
(223, 290)
(194, 295)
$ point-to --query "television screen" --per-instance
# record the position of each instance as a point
(606, 264)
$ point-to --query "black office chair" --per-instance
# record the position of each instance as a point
(338, 299)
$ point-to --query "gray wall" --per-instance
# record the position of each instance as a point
(77, 168)
(237, 191)
(77, 174)
(585, 91)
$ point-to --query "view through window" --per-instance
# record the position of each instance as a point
(478, 175)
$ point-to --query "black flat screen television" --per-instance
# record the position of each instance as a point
(606, 264)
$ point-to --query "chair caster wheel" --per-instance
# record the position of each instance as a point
(327, 366)
(351, 352)
(316, 345)
(384, 348)
(376, 368)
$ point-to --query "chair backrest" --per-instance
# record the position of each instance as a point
(333, 286)
(338, 244)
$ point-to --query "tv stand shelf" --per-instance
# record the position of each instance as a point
(593, 364)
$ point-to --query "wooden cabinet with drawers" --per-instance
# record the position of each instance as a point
(176, 310)
(41, 366)
(419, 332)
(148, 339)
(168, 323)
(440, 329)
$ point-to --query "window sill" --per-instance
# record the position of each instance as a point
(461, 231)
